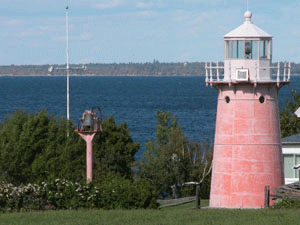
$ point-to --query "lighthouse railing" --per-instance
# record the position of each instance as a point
(286, 73)
(277, 73)
(213, 72)
(280, 72)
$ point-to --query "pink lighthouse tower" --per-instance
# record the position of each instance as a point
(247, 147)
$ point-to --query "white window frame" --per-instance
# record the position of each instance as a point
(242, 71)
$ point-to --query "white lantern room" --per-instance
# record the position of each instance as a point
(248, 53)
(247, 58)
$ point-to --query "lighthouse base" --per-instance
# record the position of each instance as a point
(247, 149)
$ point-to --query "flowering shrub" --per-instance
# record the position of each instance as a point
(63, 194)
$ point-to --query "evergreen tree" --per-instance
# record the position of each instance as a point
(114, 150)
(170, 159)
(35, 148)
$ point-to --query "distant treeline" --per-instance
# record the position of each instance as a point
(154, 68)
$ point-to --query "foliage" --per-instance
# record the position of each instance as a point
(171, 159)
(289, 122)
(114, 150)
(287, 203)
(118, 192)
(35, 148)
(62, 194)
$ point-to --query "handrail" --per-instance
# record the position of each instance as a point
(213, 73)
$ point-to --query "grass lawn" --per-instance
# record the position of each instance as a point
(182, 214)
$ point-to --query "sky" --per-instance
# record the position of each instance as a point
(122, 31)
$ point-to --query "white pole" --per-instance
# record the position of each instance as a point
(68, 71)
(289, 71)
(211, 73)
(206, 73)
(218, 75)
(284, 71)
(278, 71)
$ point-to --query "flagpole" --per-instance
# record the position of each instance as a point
(68, 71)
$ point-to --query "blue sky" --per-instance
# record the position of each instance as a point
(106, 31)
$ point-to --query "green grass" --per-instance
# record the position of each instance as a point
(182, 214)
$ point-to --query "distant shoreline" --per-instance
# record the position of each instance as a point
(122, 75)
(93, 75)
(154, 69)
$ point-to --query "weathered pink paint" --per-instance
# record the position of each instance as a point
(88, 137)
(247, 148)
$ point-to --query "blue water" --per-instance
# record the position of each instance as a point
(131, 99)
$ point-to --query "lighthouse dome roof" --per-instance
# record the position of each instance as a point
(247, 29)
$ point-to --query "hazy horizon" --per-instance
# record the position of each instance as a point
(123, 31)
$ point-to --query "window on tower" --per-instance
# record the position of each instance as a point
(254, 49)
(227, 50)
(240, 49)
(251, 49)
(248, 49)
(264, 49)
(237, 49)
(234, 49)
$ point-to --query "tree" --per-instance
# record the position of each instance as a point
(289, 122)
(35, 147)
(32, 146)
(114, 150)
(171, 159)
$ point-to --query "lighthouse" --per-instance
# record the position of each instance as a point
(247, 146)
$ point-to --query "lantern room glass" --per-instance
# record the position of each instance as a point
(237, 49)
(264, 49)
(248, 49)
(234, 49)
(251, 49)
(227, 50)
(254, 49)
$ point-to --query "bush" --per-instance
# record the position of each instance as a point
(119, 192)
(287, 203)
(62, 194)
